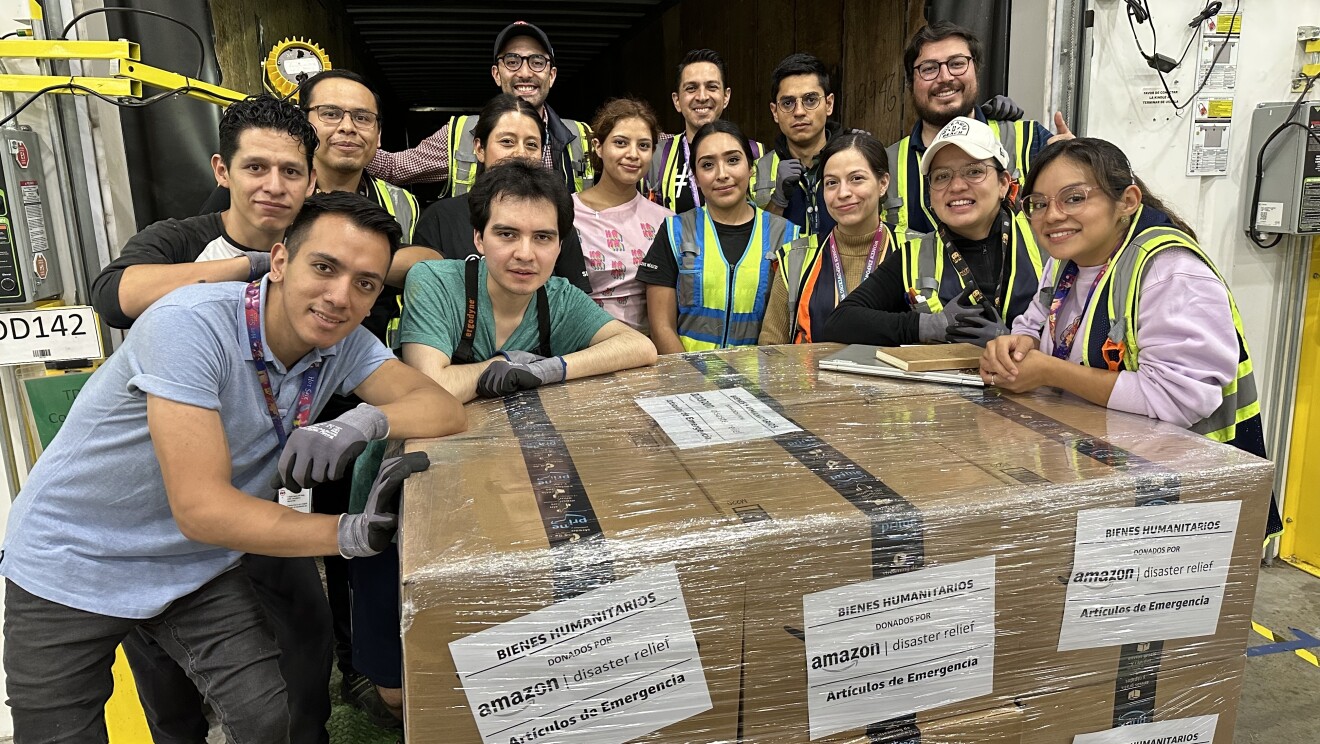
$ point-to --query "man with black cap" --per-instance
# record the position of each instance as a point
(524, 65)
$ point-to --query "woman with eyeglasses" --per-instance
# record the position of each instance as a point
(816, 272)
(1131, 314)
(614, 221)
(508, 127)
(709, 270)
(968, 280)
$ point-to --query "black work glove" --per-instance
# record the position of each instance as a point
(366, 534)
(978, 329)
(935, 327)
(1002, 108)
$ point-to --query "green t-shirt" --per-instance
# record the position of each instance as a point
(434, 302)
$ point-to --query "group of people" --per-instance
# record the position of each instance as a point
(172, 514)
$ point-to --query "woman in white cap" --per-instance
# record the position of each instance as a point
(968, 280)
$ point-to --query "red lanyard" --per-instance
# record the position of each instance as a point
(872, 259)
(303, 412)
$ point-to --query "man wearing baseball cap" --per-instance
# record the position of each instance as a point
(523, 63)
(970, 277)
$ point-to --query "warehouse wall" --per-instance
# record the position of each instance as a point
(253, 27)
(860, 41)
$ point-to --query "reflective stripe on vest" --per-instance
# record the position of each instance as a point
(795, 262)
(763, 178)
(1119, 293)
(463, 155)
(906, 162)
(719, 308)
(664, 167)
(924, 260)
(401, 205)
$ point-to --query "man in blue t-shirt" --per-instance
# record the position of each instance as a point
(138, 511)
(471, 325)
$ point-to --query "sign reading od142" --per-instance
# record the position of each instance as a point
(49, 335)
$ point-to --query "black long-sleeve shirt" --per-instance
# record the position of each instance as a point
(878, 313)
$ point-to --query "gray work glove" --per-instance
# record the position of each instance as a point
(321, 452)
(978, 329)
(503, 377)
(259, 264)
(790, 171)
(366, 534)
(935, 327)
(1002, 108)
(519, 357)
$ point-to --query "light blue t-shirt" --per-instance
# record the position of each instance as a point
(92, 529)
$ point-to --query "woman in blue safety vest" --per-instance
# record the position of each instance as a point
(816, 273)
(968, 280)
(709, 270)
(1131, 313)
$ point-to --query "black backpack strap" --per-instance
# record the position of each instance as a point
(543, 321)
(463, 354)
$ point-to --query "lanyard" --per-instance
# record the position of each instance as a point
(872, 259)
(688, 176)
(1063, 348)
(965, 271)
(303, 412)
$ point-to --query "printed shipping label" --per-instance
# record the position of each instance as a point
(1148, 573)
(1198, 730)
(607, 667)
(714, 417)
(898, 645)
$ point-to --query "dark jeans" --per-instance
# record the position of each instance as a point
(289, 590)
(332, 498)
(377, 645)
(58, 662)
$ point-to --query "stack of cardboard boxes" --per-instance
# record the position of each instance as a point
(736, 547)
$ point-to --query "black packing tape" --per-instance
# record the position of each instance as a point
(897, 529)
(1138, 663)
(582, 561)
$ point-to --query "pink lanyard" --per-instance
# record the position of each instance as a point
(872, 258)
(303, 412)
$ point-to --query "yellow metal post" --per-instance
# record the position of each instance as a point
(105, 86)
(158, 78)
(1300, 544)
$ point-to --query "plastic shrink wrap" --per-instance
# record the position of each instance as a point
(737, 547)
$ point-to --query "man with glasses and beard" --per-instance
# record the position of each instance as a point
(524, 65)
(939, 67)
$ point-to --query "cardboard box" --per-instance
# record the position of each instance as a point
(886, 478)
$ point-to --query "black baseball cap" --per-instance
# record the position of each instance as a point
(523, 28)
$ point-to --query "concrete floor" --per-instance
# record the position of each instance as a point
(1281, 695)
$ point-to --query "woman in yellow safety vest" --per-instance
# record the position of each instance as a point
(815, 274)
(967, 280)
(709, 270)
(1131, 313)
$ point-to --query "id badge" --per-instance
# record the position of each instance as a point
(300, 501)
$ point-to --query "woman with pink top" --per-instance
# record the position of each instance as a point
(615, 222)
(1131, 314)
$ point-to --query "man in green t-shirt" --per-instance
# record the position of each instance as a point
(504, 323)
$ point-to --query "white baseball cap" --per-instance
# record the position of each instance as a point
(973, 137)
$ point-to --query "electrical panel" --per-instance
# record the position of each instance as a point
(1289, 199)
(29, 269)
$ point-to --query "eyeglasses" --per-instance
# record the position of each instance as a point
(810, 102)
(514, 62)
(1069, 201)
(957, 65)
(942, 178)
(328, 114)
